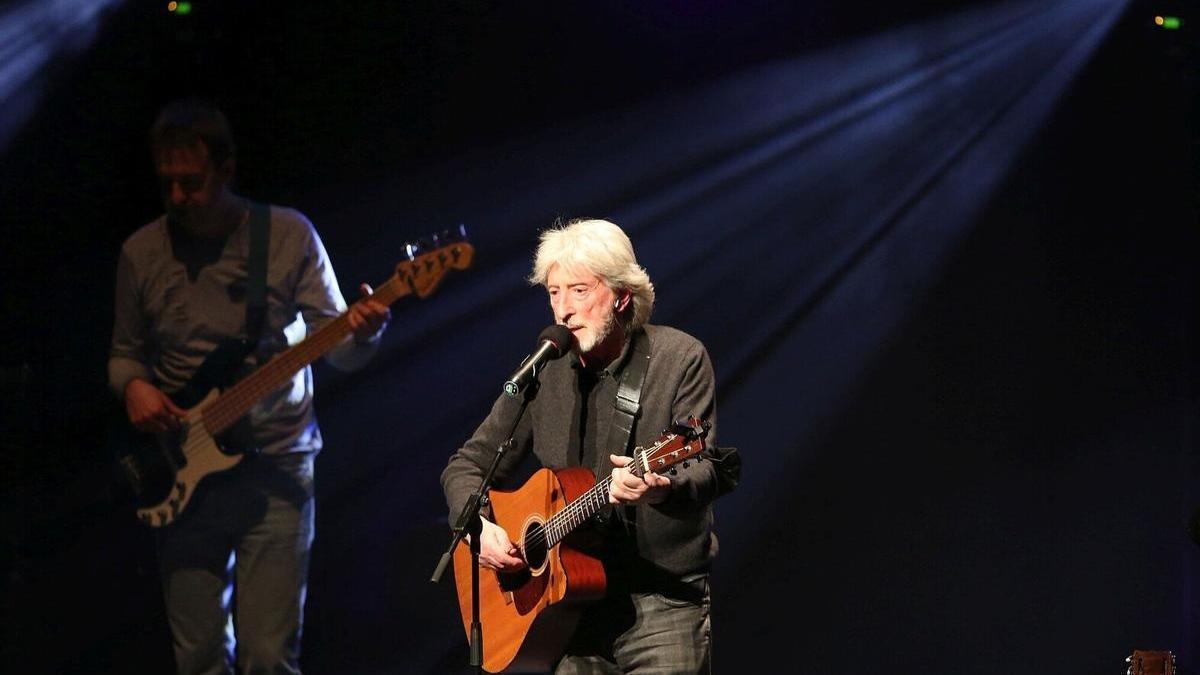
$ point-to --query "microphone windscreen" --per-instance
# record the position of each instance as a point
(559, 335)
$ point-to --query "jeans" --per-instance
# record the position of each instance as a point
(238, 557)
(642, 633)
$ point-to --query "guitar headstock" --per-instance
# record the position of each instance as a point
(1147, 662)
(430, 258)
(683, 441)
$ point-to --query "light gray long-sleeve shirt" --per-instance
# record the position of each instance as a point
(169, 318)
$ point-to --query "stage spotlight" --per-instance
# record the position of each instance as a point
(179, 8)
(1168, 22)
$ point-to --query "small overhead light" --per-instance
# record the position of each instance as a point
(1168, 22)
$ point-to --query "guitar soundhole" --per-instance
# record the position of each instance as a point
(535, 546)
(511, 582)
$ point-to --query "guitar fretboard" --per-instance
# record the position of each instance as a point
(238, 399)
(589, 503)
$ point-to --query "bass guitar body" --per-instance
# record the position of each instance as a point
(163, 469)
(528, 616)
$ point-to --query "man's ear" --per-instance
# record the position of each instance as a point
(623, 301)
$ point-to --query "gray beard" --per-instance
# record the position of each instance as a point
(610, 322)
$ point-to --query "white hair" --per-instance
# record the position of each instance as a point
(602, 248)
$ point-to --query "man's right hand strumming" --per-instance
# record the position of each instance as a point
(149, 409)
(496, 550)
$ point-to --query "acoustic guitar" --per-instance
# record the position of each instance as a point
(527, 616)
(163, 470)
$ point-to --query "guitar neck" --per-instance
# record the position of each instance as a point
(236, 401)
(585, 505)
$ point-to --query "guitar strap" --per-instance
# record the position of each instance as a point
(627, 403)
(256, 272)
(626, 409)
(727, 461)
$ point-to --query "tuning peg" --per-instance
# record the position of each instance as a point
(674, 472)
(455, 234)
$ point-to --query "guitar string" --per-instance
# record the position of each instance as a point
(237, 400)
(216, 416)
(590, 502)
(229, 407)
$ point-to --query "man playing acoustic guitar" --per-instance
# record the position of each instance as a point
(657, 540)
(181, 293)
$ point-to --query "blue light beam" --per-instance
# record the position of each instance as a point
(32, 35)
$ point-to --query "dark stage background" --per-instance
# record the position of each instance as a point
(942, 255)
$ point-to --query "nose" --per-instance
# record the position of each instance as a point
(562, 307)
(175, 193)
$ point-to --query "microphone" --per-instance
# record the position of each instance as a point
(552, 343)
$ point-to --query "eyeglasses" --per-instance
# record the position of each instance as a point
(190, 183)
(576, 292)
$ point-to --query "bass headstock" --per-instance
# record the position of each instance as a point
(431, 258)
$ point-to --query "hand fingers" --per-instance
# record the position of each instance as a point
(374, 314)
(159, 424)
(367, 317)
(654, 480)
(500, 558)
(167, 419)
(626, 477)
(502, 562)
(156, 419)
(624, 486)
(378, 308)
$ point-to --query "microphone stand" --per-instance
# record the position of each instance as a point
(470, 523)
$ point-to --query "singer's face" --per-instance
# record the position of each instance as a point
(582, 302)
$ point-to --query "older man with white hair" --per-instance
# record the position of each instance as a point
(658, 538)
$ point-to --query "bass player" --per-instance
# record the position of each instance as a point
(181, 290)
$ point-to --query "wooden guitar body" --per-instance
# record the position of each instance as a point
(527, 617)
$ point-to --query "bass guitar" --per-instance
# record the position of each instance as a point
(163, 470)
(527, 616)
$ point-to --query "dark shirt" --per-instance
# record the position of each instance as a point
(563, 427)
